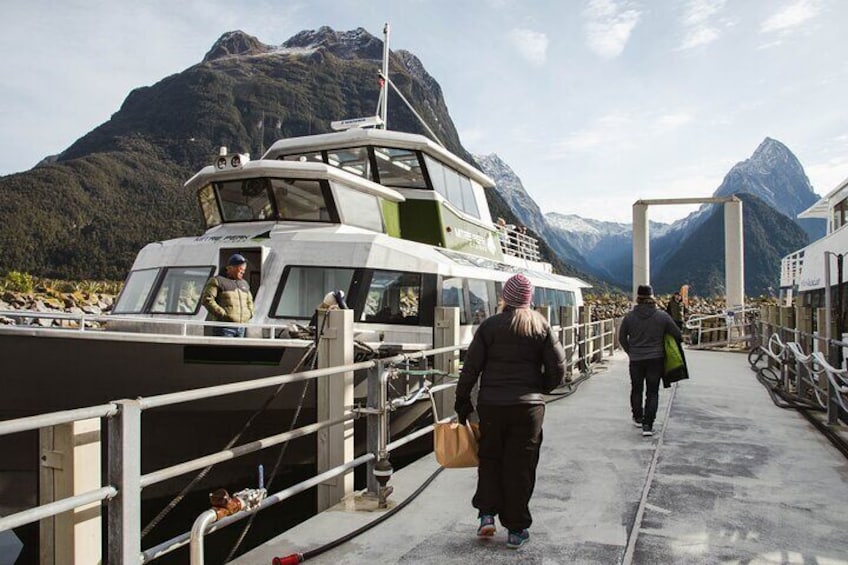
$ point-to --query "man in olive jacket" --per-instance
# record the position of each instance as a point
(227, 298)
(641, 336)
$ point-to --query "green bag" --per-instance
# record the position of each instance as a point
(675, 368)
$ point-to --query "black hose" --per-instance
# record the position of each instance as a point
(362, 529)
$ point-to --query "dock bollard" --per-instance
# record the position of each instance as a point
(383, 472)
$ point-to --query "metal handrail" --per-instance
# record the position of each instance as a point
(53, 508)
(30, 423)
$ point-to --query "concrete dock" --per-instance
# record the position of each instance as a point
(727, 478)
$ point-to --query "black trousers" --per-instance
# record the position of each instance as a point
(642, 373)
(510, 438)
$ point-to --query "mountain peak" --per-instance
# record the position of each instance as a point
(357, 43)
(773, 174)
(236, 43)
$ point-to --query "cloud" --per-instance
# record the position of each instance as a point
(791, 16)
(532, 45)
(617, 132)
(702, 22)
(608, 26)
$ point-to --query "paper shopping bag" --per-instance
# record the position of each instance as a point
(455, 444)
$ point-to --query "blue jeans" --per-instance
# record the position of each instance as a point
(228, 332)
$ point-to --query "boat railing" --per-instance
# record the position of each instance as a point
(790, 268)
(730, 328)
(85, 322)
(120, 492)
(805, 369)
(515, 241)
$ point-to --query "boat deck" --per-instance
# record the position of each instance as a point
(728, 478)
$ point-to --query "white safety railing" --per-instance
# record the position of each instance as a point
(515, 241)
(83, 322)
(728, 328)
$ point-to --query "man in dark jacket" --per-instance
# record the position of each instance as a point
(227, 298)
(675, 309)
(641, 336)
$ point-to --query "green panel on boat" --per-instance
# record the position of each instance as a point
(421, 220)
(391, 217)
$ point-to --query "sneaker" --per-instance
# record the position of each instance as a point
(487, 526)
(637, 422)
(647, 431)
(516, 539)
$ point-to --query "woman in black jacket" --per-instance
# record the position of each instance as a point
(507, 355)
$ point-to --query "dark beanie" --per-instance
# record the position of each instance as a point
(518, 291)
(645, 291)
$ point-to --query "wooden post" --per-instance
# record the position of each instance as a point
(566, 316)
(70, 465)
(334, 400)
(445, 334)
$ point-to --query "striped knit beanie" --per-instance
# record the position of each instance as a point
(518, 291)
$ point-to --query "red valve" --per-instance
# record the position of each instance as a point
(292, 559)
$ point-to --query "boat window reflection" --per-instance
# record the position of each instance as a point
(453, 186)
(244, 200)
(135, 292)
(300, 200)
(209, 206)
(393, 298)
(304, 289)
(358, 208)
(482, 299)
(452, 296)
(179, 292)
(353, 160)
(399, 168)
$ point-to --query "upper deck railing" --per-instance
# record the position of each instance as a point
(515, 241)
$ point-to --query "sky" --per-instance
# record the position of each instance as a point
(593, 103)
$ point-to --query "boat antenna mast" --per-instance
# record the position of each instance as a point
(383, 100)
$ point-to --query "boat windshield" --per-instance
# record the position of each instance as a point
(262, 199)
(173, 290)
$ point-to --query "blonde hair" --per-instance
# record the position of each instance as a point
(526, 322)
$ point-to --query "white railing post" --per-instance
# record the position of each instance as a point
(334, 400)
(124, 472)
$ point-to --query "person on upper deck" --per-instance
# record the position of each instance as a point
(227, 298)
(641, 335)
(516, 359)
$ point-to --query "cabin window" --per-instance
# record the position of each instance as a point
(357, 208)
(135, 292)
(354, 160)
(840, 214)
(304, 288)
(300, 200)
(482, 299)
(399, 168)
(179, 292)
(453, 296)
(209, 206)
(393, 298)
(245, 200)
(453, 186)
